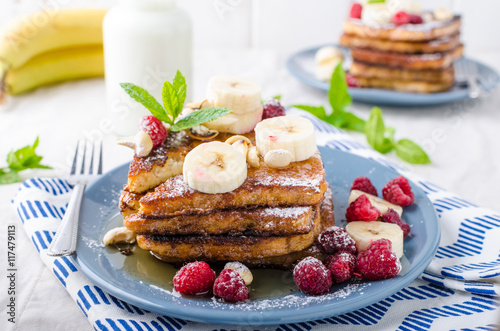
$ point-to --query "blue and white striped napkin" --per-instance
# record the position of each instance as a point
(459, 290)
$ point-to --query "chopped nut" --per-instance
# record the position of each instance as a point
(141, 143)
(241, 269)
(278, 158)
(253, 157)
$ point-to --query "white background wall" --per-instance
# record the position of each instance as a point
(285, 25)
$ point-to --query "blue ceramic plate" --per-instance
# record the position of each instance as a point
(99, 264)
(301, 65)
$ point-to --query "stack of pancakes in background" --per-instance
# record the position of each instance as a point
(272, 220)
(409, 57)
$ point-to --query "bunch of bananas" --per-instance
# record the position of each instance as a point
(49, 47)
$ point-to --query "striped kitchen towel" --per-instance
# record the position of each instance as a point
(459, 289)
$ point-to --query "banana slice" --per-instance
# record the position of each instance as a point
(239, 95)
(326, 59)
(214, 167)
(237, 123)
(364, 233)
(291, 133)
(382, 205)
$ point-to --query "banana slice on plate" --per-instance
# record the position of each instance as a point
(237, 123)
(364, 233)
(291, 133)
(214, 167)
(382, 205)
(239, 95)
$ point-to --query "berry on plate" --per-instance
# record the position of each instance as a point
(361, 209)
(230, 286)
(398, 191)
(154, 128)
(341, 264)
(379, 261)
(312, 277)
(272, 108)
(393, 217)
(194, 278)
(364, 184)
(335, 239)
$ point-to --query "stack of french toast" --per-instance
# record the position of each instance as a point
(193, 199)
(396, 45)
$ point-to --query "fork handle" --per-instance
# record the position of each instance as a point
(64, 242)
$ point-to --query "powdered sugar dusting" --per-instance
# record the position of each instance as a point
(289, 213)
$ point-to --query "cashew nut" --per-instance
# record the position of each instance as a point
(253, 157)
(241, 269)
(278, 158)
(233, 139)
(241, 146)
(119, 235)
(141, 143)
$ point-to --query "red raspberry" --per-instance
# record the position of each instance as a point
(398, 191)
(378, 261)
(392, 217)
(351, 80)
(272, 108)
(312, 277)
(361, 209)
(416, 19)
(365, 185)
(194, 278)
(155, 128)
(400, 18)
(230, 286)
(356, 9)
(341, 265)
(336, 239)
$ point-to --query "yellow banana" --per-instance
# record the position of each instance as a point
(24, 38)
(54, 67)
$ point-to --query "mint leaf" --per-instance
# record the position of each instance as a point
(277, 97)
(198, 117)
(9, 177)
(25, 158)
(337, 94)
(318, 111)
(376, 1)
(411, 152)
(347, 120)
(147, 100)
(375, 131)
(170, 100)
(180, 87)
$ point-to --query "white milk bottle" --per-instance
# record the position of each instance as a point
(145, 43)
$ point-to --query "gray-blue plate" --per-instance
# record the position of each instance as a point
(93, 259)
(301, 65)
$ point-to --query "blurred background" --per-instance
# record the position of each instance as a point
(284, 25)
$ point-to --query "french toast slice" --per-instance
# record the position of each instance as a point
(284, 261)
(260, 221)
(408, 32)
(408, 61)
(443, 44)
(165, 161)
(298, 184)
(229, 247)
(414, 86)
(360, 69)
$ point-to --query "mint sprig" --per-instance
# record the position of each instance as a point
(19, 160)
(173, 98)
(380, 137)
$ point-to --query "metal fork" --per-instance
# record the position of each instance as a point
(64, 242)
(467, 70)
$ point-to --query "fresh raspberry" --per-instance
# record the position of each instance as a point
(365, 185)
(312, 277)
(356, 9)
(398, 191)
(379, 261)
(392, 217)
(155, 128)
(416, 19)
(341, 265)
(361, 209)
(272, 108)
(336, 239)
(351, 80)
(230, 286)
(400, 18)
(194, 278)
